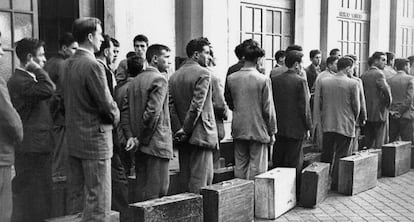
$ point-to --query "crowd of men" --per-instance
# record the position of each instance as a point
(79, 119)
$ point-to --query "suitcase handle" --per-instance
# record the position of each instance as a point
(226, 183)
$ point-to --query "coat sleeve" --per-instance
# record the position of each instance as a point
(10, 122)
(227, 95)
(97, 86)
(219, 103)
(304, 105)
(316, 104)
(355, 101)
(202, 87)
(384, 89)
(175, 120)
(363, 113)
(125, 115)
(156, 97)
(41, 89)
(268, 109)
(409, 97)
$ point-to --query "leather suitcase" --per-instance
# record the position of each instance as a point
(77, 218)
(223, 174)
(357, 173)
(379, 152)
(275, 192)
(396, 158)
(310, 158)
(176, 208)
(315, 184)
(229, 201)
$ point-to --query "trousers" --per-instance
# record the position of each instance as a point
(251, 158)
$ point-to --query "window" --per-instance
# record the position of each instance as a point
(18, 19)
(270, 26)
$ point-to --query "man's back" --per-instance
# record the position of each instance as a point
(89, 107)
(292, 107)
(402, 91)
(191, 104)
(340, 105)
(377, 94)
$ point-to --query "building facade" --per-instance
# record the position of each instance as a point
(357, 27)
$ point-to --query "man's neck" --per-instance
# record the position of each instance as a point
(87, 47)
(102, 59)
(341, 73)
(152, 66)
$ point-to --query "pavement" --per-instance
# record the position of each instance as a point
(391, 200)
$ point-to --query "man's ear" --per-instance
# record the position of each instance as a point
(106, 51)
(29, 57)
(90, 37)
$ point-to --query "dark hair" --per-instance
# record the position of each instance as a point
(252, 51)
(331, 59)
(390, 57)
(353, 57)
(314, 52)
(370, 61)
(106, 43)
(377, 55)
(196, 45)
(400, 63)
(115, 42)
(140, 38)
(292, 57)
(344, 62)
(66, 39)
(131, 53)
(155, 49)
(83, 26)
(294, 47)
(334, 51)
(280, 54)
(135, 65)
(239, 51)
(411, 59)
(26, 46)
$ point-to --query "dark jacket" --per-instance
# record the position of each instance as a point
(145, 113)
(11, 129)
(312, 73)
(292, 107)
(377, 95)
(90, 109)
(191, 104)
(30, 96)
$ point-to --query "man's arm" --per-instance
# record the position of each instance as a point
(384, 89)
(363, 113)
(157, 96)
(201, 90)
(268, 108)
(355, 102)
(97, 86)
(227, 95)
(10, 122)
(304, 105)
(219, 103)
(175, 120)
(41, 89)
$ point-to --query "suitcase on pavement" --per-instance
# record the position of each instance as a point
(379, 152)
(275, 192)
(114, 217)
(412, 156)
(357, 173)
(396, 158)
(310, 158)
(314, 184)
(223, 174)
(229, 201)
(176, 208)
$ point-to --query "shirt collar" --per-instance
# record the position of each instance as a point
(28, 73)
(85, 50)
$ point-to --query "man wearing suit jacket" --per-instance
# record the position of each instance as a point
(30, 89)
(192, 117)
(313, 70)
(339, 107)
(293, 115)
(91, 114)
(402, 106)
(254, 119)
(11, 133)
(145, 115)
(378, 99)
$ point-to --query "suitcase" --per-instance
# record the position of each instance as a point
(227, 151)
(396, 158)
(114, 217)
(412, 156)
(176, 208)
(379, 152)
(229, 201)
(175, 186)
(275, 192)
(314, 184)
(310, 158)
(357, 173)
(223, 174)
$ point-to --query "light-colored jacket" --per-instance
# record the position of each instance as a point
(191, 105)
(254, 116)
(402, 89)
